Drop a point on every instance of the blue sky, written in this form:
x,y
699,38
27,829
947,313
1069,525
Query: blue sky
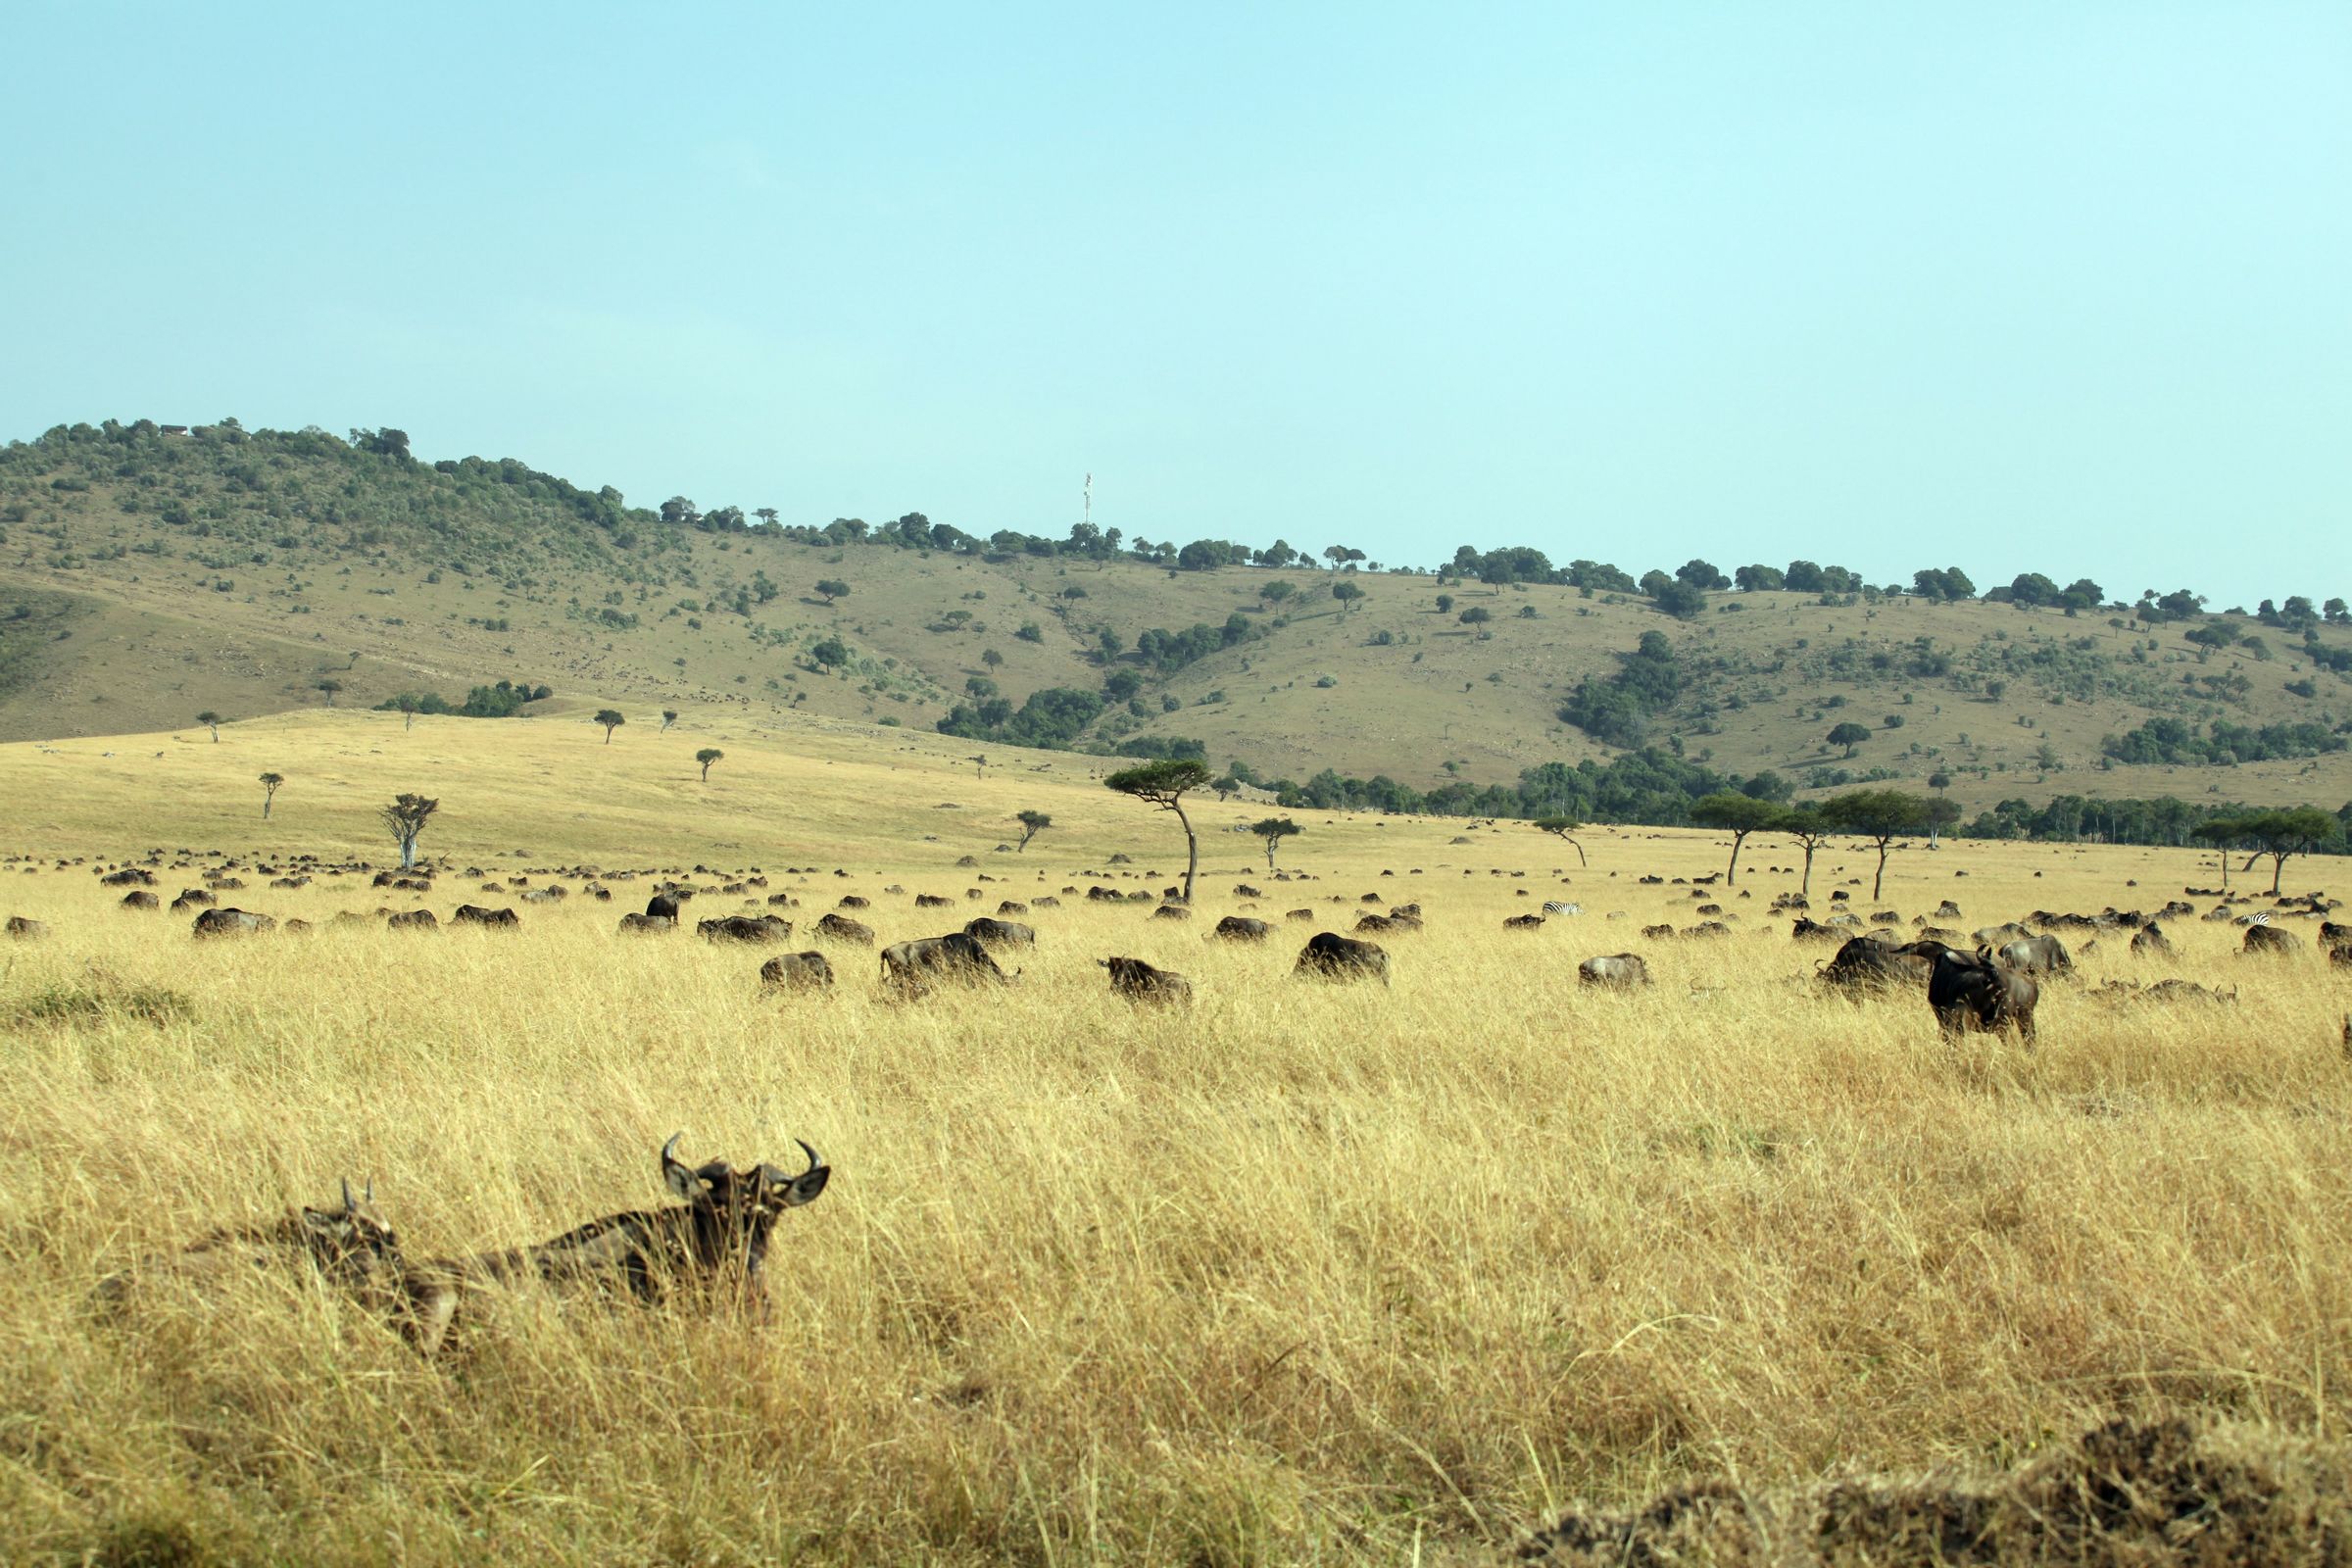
x,y
2064,289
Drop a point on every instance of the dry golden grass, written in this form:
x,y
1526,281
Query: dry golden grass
x,y
1310,1274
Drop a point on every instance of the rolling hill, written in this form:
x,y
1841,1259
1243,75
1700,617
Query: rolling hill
x,y
148,573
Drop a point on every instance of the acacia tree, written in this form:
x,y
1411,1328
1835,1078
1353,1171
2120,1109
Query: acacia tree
x,y
211,722
1848,735
1032,824
405,819
669,716
328,688
407,704
1563,827
1346,593
1736,815
611,718
1811,830
833,588
706,756
1164,784
1274,829
1879,815
270,784
2297,830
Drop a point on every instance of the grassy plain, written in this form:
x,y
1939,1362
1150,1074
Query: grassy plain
x,y
1307,1274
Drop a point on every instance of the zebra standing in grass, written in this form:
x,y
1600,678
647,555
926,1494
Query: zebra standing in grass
x,y
1555,907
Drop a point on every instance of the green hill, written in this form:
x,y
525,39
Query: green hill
x,y
149,573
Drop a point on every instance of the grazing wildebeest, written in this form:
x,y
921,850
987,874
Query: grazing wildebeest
x,y
2150,939
1657,933
1523,922
1331,956
798,971
1298,914
957,955
195,899
231,922
744,928
1870,964
662,906
1242,928
1993,936
349,1242
1382,922
25,929
932,901
130,877
413,920
2035,956
475,914
1807,929
1624,969
1010,933
1012,907
720,1237
841,928
1139,981
2271,939
139,899
647,925
1977,991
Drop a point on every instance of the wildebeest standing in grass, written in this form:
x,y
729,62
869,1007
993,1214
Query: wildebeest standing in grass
x,y
999,933
797,971
231,922
841,928
719,1239
2036,954
957,955
1328,956
1871,964
1242,928
2261,937
1625,970
1977,991
744,928
476,914
1141,982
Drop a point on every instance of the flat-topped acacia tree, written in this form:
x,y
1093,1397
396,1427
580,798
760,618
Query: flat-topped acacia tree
x,y
1164,784
269,787
1564,827
611,718
706,756
1274,829
1879,815
405,819
1032,824
1810,830
1736,815
2277,834
211,722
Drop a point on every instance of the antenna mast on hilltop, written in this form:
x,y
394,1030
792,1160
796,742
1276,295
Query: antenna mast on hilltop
x,y
1088,515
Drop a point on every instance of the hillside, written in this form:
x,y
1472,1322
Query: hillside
x,y
148,575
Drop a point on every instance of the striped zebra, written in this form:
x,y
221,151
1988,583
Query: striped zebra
x,y
1555,907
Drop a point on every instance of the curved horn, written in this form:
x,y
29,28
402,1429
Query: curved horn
x,y
368,1195
349,1207
670,1150
813,1161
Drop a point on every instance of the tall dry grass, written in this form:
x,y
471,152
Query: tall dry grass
x,y
1312,1273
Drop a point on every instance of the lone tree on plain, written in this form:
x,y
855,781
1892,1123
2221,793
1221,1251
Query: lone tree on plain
x,y
407,704
329,688
211,722
2277,834
1347,594
270,784
669,716
611,718
1879,815
1164,784
706,756
406,817
1032,824
1274,829
1736,815
1563,827
1848,735
833,588
1476,616
1811,830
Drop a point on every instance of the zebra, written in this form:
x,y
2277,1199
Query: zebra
x,y
1555,907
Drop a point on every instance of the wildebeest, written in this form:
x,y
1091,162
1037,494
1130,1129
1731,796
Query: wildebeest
x,y
744,928
349,1242
664,905
1298,914
841,928
1523,922
1008,933
1657,933
2271,939
957,955
719,1238
475,914
1623,969
1331,956
1976,992
139,899
2036,954
647,925
1993,936
1383,922
798,971
25,929
1870,964
413,920
231,922
1012,907
2150,939
1807,929
194,899
932,901
1139,981
1172,911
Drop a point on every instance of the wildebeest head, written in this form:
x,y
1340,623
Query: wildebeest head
x,y
740,1201
350,1239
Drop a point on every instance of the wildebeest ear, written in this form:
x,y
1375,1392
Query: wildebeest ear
x,y
803,1188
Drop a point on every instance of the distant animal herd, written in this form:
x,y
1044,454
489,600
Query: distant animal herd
x,y
1988,980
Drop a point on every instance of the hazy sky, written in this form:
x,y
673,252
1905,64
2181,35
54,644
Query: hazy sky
x,y
2058,288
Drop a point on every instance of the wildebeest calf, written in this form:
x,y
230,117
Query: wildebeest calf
x,y
1624,969
1139,982
798,971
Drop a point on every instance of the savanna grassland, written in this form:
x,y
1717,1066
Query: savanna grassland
x,y
1309,1273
